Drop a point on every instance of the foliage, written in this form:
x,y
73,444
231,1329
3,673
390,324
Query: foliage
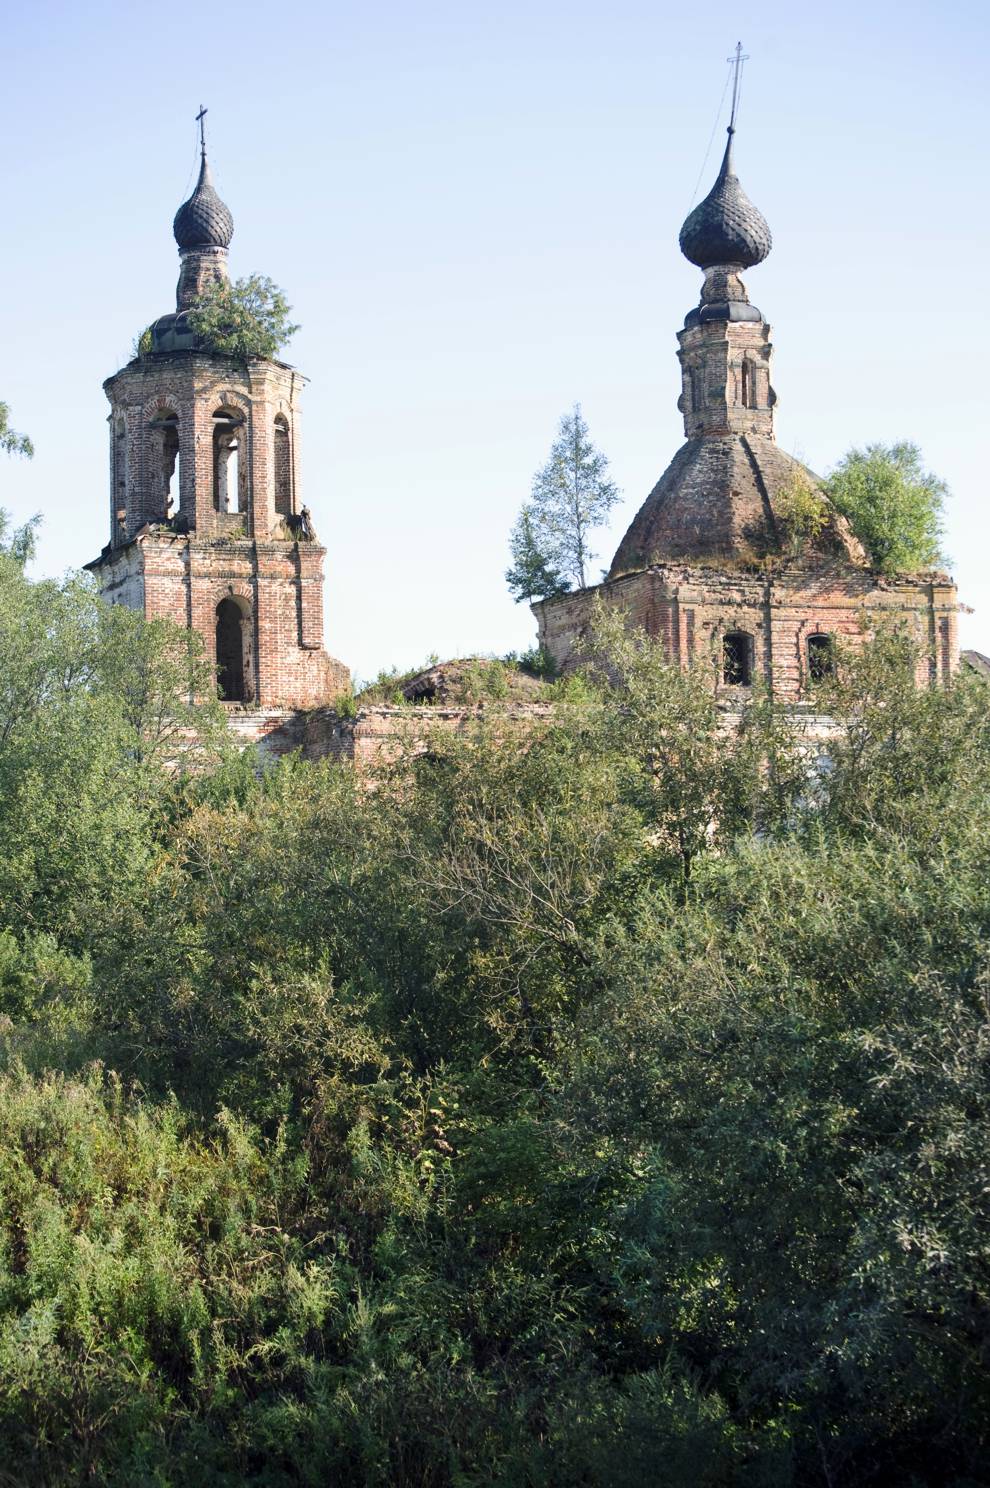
x,y
536,662
94,703
571,495
802,511
532,574
598,1103
247,318
11,442
893,505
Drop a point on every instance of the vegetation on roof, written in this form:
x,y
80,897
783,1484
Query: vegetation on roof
x,y
893,504
245,318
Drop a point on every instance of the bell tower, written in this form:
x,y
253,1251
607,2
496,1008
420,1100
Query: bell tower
x,y
207,523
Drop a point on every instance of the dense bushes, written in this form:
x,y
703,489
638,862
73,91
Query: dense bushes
x,y
606,1110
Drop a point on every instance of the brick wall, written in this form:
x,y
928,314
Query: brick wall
x,y
183,569
693,607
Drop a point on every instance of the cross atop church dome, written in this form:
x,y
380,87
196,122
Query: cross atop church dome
x,y
204,220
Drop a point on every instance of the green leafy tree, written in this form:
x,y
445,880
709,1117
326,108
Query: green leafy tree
x,y
531,574
571,496
97,709
11,442
587,1101
893,505
247,318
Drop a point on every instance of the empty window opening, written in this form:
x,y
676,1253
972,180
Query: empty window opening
x,y
746,386
120,458
166,427
737,659
228,469
821,657
283,468
232,646
119,492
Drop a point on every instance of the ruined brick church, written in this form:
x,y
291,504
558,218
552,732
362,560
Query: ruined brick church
x,y
207,524
208,528
718,561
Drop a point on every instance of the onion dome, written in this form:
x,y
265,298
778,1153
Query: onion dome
x,y
204,221
725,228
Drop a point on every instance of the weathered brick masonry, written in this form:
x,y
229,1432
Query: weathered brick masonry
x,y
207,527
716,561
694,607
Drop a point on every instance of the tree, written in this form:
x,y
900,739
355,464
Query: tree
x,y
247,318
532,574
892,503
571,495
11,442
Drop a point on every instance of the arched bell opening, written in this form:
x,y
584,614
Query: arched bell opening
x,y
229,465
283,467
166,456
119,497
233,638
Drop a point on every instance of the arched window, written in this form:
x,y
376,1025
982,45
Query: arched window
x,y
821,657
283,467
229,472
233,650
165,430
746,388
737,659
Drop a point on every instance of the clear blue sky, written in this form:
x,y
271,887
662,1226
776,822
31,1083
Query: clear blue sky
x,y
474,213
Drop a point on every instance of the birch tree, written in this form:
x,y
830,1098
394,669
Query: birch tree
x,y
571,496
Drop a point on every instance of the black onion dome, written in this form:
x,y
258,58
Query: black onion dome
x,y
204,221
725,228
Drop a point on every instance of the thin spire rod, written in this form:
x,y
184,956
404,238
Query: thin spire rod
x,y
204,111
738,59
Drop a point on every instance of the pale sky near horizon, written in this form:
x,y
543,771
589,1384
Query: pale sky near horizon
x,y
474,213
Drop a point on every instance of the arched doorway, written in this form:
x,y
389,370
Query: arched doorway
x,y
232,651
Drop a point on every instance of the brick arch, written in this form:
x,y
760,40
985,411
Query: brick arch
x,y
239,589
160,401
224,397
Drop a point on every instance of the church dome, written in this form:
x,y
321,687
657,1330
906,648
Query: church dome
x,y
725,228
204,221
727,498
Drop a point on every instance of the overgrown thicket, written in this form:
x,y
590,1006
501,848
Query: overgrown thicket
x,y
604,1107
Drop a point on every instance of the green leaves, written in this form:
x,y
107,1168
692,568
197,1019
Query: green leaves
x,y
247,318
600,1098
571,496
11,442
893,505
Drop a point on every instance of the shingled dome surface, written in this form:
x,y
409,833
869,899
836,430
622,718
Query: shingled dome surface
x,y
725,228
204,221
720,499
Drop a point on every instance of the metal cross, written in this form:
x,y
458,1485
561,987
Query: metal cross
x,y
738,58
203,113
